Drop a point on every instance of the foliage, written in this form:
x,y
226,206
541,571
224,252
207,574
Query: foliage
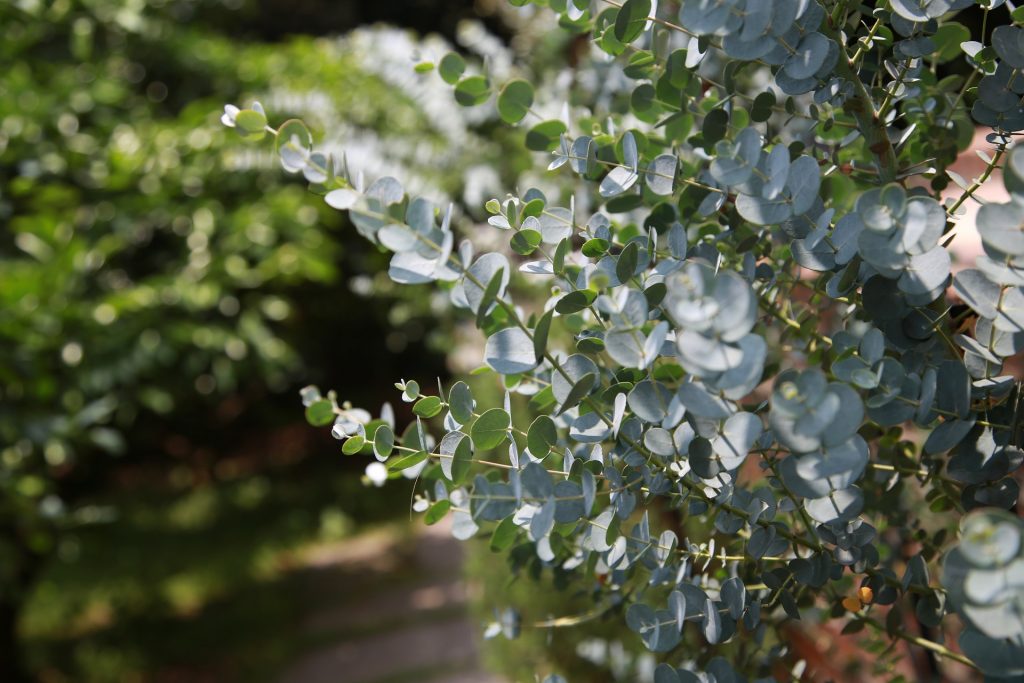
x,y
744,323
157,271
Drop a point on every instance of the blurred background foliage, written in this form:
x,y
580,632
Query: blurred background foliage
x,y
165,292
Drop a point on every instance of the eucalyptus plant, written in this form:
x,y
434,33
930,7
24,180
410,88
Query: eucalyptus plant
x,y
753,389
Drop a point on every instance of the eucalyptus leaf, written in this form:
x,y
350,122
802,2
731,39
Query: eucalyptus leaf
x,y
515,100
660,174
510,351
471,91
490,429
460,402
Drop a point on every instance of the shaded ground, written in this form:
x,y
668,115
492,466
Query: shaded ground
x,y
412,627
290,574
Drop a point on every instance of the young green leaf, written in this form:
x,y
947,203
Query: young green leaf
x,y
353,445
472,91
540,335
525,242
428,406
460,402
437,512
631,19
404,462
625,265
451,67
574,302
383,442
544,136
595,248
504,534
541,436
515,100
490,429
320,413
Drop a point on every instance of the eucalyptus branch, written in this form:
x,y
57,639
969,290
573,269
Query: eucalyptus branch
x,y
682,302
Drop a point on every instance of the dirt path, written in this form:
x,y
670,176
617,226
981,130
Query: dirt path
x,y
403,614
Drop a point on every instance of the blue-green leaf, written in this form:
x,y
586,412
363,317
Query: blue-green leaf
x,y
510,351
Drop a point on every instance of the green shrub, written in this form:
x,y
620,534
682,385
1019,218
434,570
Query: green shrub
x,y
153,264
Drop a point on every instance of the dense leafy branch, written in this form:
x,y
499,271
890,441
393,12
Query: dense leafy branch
x,y
744,325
